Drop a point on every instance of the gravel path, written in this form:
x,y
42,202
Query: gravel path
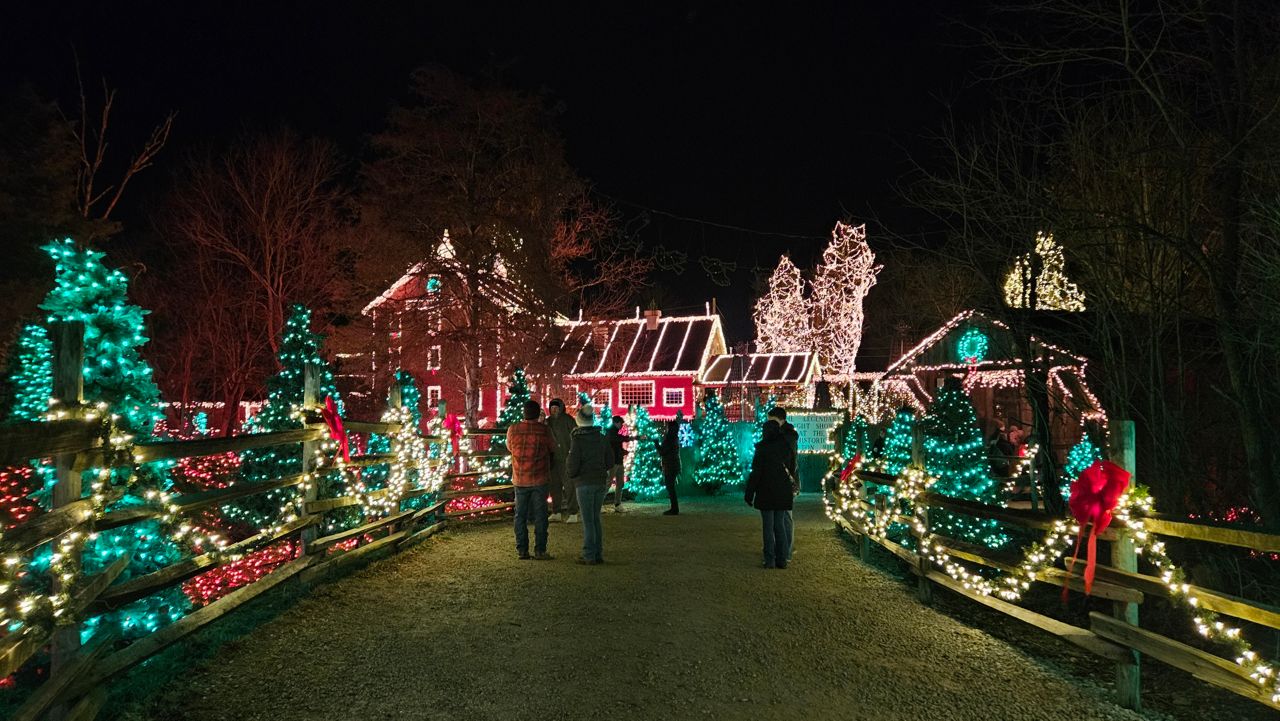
x,y
679,623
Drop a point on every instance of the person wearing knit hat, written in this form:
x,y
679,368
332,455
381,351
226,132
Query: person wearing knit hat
x,y
590,459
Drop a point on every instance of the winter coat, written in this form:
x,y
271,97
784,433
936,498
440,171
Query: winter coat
x,y
769,485
616,439
590,457
793,446
669,450
561,431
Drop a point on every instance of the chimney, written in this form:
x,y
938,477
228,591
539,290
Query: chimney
x,y
651,317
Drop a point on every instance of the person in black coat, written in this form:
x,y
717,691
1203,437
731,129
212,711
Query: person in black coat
x,y
669,454
778,417
770,491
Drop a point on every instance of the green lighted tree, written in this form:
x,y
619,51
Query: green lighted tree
x,y
718,463
299,347
114,372
1081,456
857,439
955,453
899,441
30,375
764,404
498,469
645,478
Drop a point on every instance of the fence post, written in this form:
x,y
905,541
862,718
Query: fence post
x,y
924,589
1120,450
68,391
864,541
310,389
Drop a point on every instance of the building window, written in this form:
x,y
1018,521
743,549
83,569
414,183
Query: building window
x,y
602,399
673,397
433,396
635,393
433,358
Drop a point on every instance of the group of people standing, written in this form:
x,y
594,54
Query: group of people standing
x,y
572,462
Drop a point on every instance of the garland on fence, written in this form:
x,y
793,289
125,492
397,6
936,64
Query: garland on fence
x,y
911,483
20,611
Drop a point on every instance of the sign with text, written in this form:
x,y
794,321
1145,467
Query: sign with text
x,y
816,429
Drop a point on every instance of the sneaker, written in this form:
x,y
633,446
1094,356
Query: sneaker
x,y
671,512
544,556
523,557
572,519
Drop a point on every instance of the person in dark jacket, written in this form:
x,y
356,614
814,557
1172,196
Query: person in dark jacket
x,y
778,415
669,454
769,491
617,473
590,459
563,499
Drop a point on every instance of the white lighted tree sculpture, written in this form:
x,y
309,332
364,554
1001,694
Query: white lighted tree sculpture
x,y
781,314
847,271
1052,289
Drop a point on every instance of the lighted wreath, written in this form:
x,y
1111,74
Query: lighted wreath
x,y
972,346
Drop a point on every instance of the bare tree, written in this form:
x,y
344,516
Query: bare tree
x,y
97,196
1137,133
269,210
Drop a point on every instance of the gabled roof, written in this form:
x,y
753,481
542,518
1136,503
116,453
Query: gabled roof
x,y
937,349
681,345
763,369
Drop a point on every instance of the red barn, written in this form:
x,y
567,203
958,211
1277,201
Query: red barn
x,y
652,362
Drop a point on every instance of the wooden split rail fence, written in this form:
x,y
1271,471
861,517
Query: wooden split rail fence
x,y
1116,636
76,683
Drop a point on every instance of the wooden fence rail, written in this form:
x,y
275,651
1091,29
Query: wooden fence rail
x,y
75,684
1118,637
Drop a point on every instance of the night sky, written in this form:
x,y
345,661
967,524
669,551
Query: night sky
x,y
780,122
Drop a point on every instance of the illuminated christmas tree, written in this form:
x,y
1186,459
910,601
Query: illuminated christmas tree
x,y
30,380
841,281
645,476
899,442
718,463
1081,456
955,453
782,315
114,370
763,406
299,347
115,373
857,439
498,470
1053,290
30,375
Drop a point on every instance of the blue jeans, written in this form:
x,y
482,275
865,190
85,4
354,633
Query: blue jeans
x,y
777,543
531,499
590,500
791,534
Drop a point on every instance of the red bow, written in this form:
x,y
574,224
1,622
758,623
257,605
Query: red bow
x,y
851,467
1094,496
336,431
454,426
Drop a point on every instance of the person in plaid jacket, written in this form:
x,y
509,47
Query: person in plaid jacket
x,y
531,447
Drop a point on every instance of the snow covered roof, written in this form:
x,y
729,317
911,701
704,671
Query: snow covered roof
x,y
761,369
681,345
